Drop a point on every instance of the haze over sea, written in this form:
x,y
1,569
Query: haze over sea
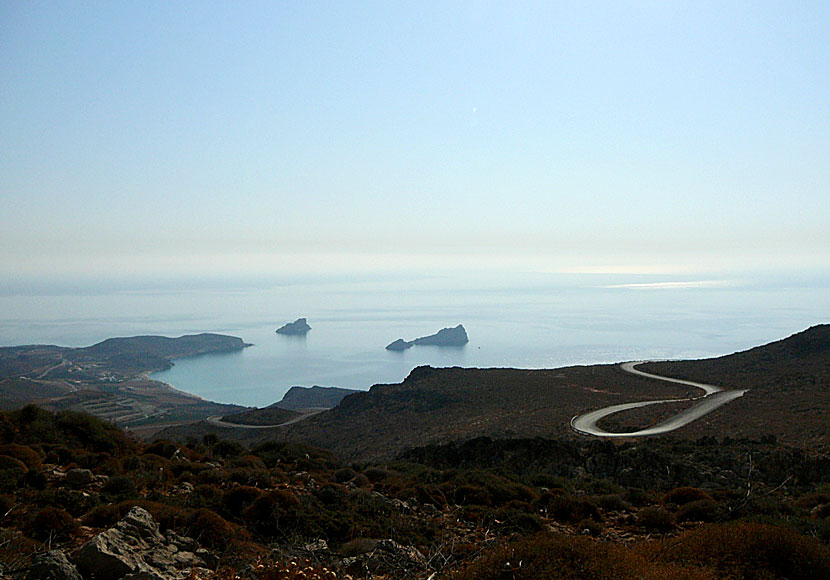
x,y
515,320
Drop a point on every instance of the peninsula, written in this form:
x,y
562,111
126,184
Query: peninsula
x,y
110,379
456,336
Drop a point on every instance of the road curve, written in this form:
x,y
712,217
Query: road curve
x,y
217,421
712,398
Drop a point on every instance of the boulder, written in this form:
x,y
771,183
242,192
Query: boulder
x,y
135,549
388,557
52,566
78,477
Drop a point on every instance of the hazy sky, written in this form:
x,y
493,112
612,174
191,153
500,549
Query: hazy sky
x,y
177,138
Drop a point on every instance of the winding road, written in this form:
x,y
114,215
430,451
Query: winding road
x,y
217,421
712,398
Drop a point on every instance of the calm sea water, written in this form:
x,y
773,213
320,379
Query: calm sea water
x,y
524,321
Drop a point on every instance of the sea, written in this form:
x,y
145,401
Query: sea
x,y
517,320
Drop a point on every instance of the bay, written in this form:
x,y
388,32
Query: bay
x,y
513,320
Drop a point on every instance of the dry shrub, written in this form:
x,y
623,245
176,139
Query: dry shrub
x,y
749,551
704,510
13,464
471,495
52,523
248,462
273,513
102,516
571,558
684,495
24,453
376,474
655,519
211,529
568,509
238,498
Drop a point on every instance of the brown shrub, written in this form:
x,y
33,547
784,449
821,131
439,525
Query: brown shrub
x,y
655,519
52,523
471,495
102,516
704,510
24,453
211,529
13,464
248,462
684,495
568,509
571,558
748,551
238,498
274,512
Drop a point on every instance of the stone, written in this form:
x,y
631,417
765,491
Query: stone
x,y
52,565
135,549
78,477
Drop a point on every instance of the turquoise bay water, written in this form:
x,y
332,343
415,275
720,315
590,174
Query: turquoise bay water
x,y
527,321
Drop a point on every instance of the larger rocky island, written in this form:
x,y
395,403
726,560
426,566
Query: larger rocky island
x,y
456,336
110,379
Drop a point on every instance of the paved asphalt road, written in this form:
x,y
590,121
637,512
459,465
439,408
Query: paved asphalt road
x,y
712,398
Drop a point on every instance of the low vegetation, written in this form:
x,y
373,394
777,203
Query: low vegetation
x,y
481,509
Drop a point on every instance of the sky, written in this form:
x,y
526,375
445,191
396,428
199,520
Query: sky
x,y
181,139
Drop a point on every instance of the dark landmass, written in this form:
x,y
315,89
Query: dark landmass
x,y
299,398
456,336
298,327
82,500
271,415
109,379
789,402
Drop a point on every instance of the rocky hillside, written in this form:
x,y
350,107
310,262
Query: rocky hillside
x,y
80,500
789,389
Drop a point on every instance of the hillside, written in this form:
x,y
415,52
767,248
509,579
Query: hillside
x,y
109,379
81,499
439,405
788,400
789,389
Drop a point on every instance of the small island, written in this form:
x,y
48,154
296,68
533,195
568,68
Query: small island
x,y
456,336
299,327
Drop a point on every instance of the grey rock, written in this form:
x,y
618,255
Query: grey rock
x,y
209,559
78,477
135,549
52,566
388,557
